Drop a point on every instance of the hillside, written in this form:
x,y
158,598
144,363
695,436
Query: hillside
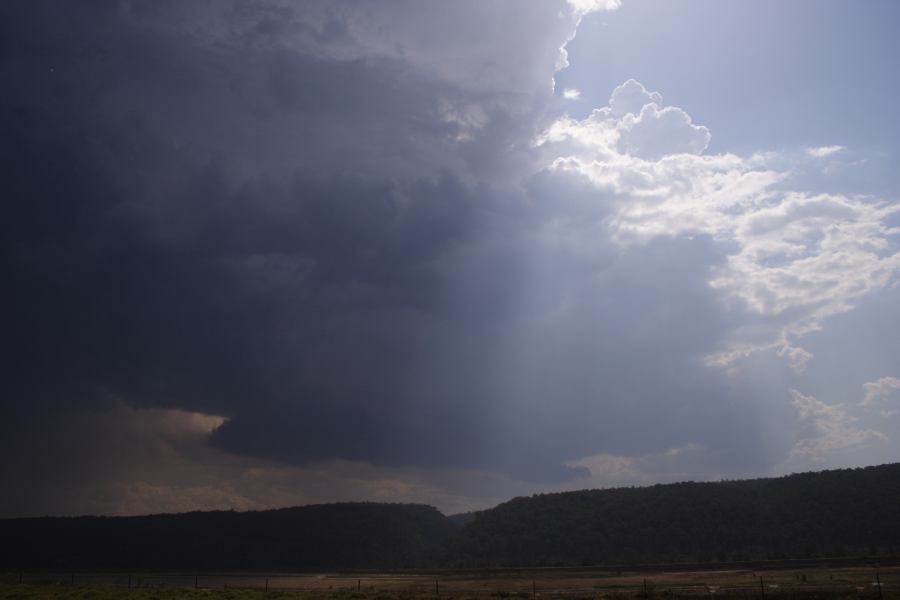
x,y
852,512
326,536
831,513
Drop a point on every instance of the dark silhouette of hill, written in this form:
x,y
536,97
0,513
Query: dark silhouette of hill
x,y
325,536
851,512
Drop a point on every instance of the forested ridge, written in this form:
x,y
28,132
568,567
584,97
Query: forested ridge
x,y
850,512
326,536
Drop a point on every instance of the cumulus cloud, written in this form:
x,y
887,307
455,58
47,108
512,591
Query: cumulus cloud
x,y
630,98
655,132
633,124
793,259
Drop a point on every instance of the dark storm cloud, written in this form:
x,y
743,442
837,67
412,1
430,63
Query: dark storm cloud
x,y
155,252
201,215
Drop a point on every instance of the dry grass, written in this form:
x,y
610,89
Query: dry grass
x,y
854,583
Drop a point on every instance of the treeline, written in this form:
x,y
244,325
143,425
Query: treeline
x,y
852,512
319,537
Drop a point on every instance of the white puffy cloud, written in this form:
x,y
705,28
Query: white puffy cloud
x,y
630,98
655,132
793,259
817,253
634,124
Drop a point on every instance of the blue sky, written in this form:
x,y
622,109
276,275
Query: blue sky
x,y
781,77
761,75
269,253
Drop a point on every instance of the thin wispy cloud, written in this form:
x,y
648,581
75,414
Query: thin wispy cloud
x,y
825,151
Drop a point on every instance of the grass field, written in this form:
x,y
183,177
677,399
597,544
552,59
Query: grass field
x,y
855,583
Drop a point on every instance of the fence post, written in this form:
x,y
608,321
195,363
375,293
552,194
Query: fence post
x,y
878,582
358,585
436,592
762,588
20,577
267,584
73,578
533,589
129,581
196,578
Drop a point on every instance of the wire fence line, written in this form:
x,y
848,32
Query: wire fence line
x,y
873,587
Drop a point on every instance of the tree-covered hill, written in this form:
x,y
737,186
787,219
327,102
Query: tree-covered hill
x,y
831,513
326,536
852,512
